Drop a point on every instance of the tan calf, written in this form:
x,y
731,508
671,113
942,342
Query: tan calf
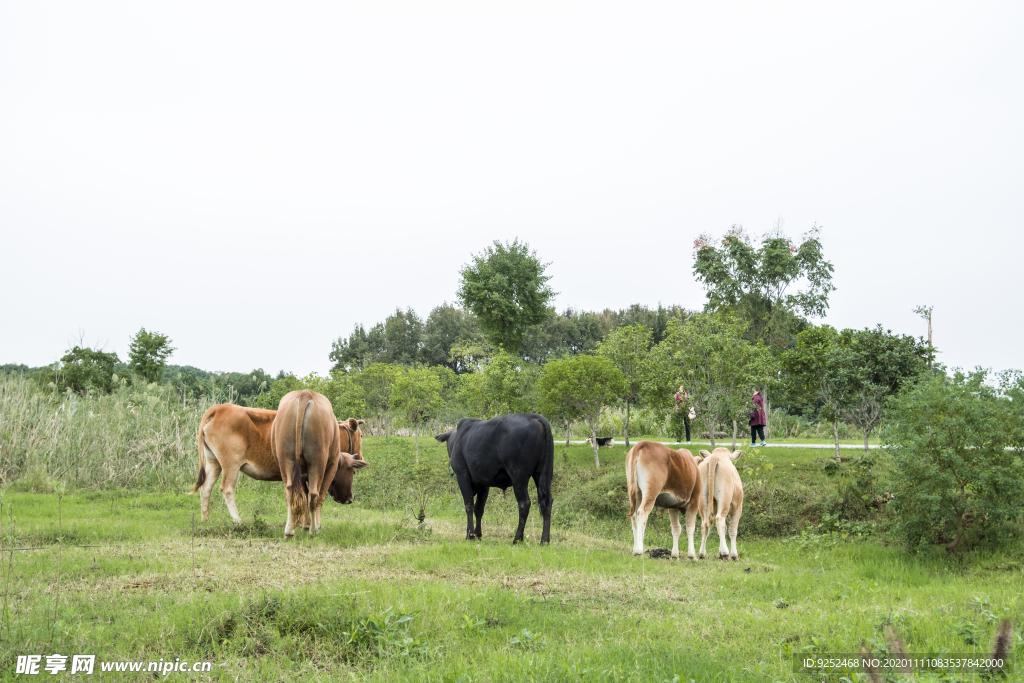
x,y
234,439
721,496
658,475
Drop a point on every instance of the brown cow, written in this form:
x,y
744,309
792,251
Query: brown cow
x,y
658,475
306,441
234,439
721,496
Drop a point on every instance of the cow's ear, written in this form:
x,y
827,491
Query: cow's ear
x,y
352,424
735,454
359,464
443,437
698,458
705,454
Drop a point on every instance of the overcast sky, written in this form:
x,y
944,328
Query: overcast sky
x,y
253,179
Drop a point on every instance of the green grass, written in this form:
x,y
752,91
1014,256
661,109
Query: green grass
x,y
581,609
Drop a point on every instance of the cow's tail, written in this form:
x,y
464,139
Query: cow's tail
x,y
709,494
631,485
299,486
200,439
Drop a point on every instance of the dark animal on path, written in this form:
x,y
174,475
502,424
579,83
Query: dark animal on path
x,y
306,441
658,475
234,439
498,453
605,442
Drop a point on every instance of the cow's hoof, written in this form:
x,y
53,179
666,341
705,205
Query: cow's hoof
x,y
734,557
702,556
723,556
691,558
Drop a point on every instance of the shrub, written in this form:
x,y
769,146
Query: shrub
x,y
953,477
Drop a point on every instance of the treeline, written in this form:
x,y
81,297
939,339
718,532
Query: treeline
x,y
954,439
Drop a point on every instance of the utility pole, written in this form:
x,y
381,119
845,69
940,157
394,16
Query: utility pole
x,y
926,313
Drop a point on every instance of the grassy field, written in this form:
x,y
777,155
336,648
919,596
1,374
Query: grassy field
x,y
378,596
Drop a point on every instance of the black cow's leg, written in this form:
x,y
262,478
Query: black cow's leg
x,y
523,497
467,498
481,501
544,500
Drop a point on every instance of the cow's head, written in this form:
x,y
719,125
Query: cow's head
x,y
351,426
724,452
341,487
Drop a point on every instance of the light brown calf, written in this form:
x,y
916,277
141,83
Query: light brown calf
x,y
658,475
721,496
234,439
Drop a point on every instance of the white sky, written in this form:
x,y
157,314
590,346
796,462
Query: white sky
x,y
254,178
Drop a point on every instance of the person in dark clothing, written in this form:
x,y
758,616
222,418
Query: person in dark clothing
x,y
685,408
757,420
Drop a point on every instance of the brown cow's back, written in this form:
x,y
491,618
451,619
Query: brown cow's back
x,y
306,440
233,439
659,476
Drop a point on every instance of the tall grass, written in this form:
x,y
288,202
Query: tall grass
x,y
137,437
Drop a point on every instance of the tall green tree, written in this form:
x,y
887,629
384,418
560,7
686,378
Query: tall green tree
x,y
506,288
774,283
377,383
416,394
954,479
83,369
446,328
506,385
581,387
358,350
819,372
148,353
880,364
709,356
630,349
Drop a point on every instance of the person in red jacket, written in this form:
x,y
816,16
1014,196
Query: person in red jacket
x,y
757,420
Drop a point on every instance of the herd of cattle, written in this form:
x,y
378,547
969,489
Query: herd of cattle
x,y
302,445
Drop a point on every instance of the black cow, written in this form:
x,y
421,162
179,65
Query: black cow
x,y
501,452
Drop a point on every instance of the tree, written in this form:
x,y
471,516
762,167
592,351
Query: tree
x,y
505,287
818,371
416,393
755,280
83,369
447,327
359,350
581,387
880,364
377,383
567,334
506,386
629,348
952,474
708,355
148,353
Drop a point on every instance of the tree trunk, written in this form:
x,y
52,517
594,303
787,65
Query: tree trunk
x,y
593,443
711,432
835,433
568,431
416,437
735,429
867,433
626,430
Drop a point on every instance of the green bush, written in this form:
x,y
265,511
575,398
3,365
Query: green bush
x,y
954,480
